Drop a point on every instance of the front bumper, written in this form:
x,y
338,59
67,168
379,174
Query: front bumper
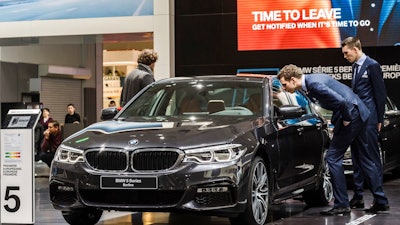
x,y
216,187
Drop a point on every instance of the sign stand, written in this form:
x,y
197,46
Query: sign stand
x,y
17,196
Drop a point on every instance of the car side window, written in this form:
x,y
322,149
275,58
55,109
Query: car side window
x,y
278,95
299,99
281,97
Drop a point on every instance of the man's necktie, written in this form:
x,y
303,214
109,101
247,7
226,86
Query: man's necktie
x,y
355,71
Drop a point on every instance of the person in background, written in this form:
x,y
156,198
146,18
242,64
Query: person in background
x,y
46,118
72,116
52,138
38,138
140,77
112,104
350,116
369,85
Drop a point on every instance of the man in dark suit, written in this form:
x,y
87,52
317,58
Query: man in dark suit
x,y
140,77
350,116
383,17
368,84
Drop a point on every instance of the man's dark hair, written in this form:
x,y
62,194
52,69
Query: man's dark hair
x,y
352,42
147,57
289,71
55,123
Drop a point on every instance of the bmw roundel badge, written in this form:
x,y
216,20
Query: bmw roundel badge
x,y
133,142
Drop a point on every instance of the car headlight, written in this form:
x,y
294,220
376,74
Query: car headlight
x,y
214,154
67,154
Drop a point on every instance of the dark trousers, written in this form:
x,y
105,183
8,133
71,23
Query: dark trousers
x,y
47,157
371,172
342,138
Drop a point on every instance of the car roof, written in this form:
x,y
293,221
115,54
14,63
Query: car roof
x,y
237,77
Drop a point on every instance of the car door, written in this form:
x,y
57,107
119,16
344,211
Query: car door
x,y
299,155
301,141
310,155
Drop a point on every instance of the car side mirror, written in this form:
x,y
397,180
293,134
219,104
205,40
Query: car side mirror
x,y
109,113
290,111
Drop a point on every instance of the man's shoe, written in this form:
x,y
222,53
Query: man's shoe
x,y
356,203
337,211
378,208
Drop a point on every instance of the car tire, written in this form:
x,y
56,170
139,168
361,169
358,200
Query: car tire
x,y
82,217
323,194
258,196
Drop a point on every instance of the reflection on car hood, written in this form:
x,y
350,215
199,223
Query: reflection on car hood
x,y
179,134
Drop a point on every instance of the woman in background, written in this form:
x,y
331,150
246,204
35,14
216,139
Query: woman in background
x,y
46,118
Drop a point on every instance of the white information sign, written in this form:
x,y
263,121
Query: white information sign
x,y
17,196
17,184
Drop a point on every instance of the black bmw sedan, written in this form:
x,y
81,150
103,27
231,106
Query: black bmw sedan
x,y
220,145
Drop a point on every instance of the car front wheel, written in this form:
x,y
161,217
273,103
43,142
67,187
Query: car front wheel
x,y
258,196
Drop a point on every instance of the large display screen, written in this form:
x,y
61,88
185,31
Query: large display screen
x,y
309,24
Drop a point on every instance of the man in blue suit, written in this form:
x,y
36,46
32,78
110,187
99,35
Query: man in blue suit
x,y
350,116
368,84
383,15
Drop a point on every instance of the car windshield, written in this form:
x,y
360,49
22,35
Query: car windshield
x,y
216,98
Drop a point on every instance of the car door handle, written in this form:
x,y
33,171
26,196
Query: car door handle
x,y
300,130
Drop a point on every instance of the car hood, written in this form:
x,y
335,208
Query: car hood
x,y
167,134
